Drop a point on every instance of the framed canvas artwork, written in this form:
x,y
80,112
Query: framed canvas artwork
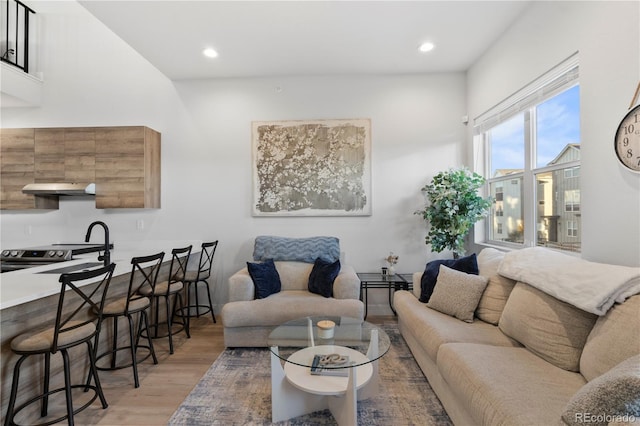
x,y
312,168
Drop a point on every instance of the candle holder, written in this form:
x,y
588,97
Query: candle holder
x,y
326,329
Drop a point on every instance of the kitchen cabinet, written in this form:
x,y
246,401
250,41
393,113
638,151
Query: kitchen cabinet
x,y
65,155
123,162
79,155
127,167
18,168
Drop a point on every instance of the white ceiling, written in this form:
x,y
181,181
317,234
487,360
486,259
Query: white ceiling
x,y
275,38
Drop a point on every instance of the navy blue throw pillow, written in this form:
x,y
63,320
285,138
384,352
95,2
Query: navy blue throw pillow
x,y
265,278
322,277
468,264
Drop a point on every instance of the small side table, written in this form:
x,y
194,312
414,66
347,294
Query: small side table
x,y
377,280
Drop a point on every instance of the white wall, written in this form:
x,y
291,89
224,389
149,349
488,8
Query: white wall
x,y
607,36
93,78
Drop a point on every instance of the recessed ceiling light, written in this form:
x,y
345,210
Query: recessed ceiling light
x,y
426,47
210,53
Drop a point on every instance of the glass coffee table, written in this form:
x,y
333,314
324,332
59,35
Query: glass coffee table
x,y
296,391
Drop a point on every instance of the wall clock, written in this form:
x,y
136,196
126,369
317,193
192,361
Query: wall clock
x,y
627,140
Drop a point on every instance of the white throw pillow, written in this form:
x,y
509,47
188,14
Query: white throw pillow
x,y
457,293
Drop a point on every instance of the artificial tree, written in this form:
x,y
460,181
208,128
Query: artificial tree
x,y
453,206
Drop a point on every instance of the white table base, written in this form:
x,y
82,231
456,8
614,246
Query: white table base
x,y
294,391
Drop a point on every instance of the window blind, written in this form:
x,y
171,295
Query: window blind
x,y
560,77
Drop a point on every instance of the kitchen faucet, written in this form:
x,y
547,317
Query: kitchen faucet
x,y
107,256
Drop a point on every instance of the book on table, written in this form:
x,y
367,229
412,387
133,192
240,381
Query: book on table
x,y
330,365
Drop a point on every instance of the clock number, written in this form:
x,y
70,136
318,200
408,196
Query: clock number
x,y
629,153
625,142
629,129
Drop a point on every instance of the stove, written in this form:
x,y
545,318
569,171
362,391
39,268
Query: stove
x,y
15,259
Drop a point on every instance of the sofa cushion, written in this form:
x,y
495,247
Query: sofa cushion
x,y
296,249
553,330
265,278
615,393
506,386
457,293
285,306
435,328
468,264
498,289
322,277
603,349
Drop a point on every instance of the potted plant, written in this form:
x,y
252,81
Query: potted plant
x,y
453,206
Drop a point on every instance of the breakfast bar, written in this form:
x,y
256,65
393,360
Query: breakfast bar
x,y
28,301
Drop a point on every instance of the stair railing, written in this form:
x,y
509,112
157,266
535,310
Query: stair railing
x,y
14,43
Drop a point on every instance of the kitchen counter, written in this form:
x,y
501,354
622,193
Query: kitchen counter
x,y
28,302
27,285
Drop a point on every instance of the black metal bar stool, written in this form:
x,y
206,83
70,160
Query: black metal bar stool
x,y
144,271
166,289
201,275
72,328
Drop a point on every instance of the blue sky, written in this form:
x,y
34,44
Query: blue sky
x,y
558,124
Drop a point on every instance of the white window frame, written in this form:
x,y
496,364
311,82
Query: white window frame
x,y
560,78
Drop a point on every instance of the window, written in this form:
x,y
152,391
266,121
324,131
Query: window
x,y
571,172
530,149
572,200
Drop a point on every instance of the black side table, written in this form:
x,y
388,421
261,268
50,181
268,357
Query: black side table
x,y
377,280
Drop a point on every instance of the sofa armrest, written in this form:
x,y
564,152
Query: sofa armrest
x,y
417,283
346,284
241,286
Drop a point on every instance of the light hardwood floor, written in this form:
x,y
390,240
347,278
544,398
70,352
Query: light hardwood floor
x,y
165,385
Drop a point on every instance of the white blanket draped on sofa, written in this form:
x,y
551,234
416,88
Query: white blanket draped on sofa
x,y
592,287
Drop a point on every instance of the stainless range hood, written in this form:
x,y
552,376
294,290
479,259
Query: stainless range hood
x,y
60,188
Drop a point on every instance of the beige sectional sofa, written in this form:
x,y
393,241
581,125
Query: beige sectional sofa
x,y
527,358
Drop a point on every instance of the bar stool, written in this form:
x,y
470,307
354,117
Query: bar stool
x,y
201,275
144,271
71,328
172,287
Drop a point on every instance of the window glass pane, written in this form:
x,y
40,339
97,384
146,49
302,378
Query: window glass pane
x,y
558,217
506,214
558,128
507,146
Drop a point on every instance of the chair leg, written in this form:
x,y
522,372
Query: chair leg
x,y
145,319
114,354
67,385
133,347
94,372
8,420
186,318
178,306
155,324
45,387
168,309
213,317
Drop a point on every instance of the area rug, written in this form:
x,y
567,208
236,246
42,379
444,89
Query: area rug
x,y
236,390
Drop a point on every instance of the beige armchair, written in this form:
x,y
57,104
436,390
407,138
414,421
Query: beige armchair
x,y
248,321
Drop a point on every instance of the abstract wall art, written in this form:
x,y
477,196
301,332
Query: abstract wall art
x,y
312,168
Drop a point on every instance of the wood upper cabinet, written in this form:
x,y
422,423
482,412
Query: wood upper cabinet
x,y
17,169
127,167
123,162
79,155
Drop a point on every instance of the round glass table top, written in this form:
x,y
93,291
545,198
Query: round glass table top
x,y
366,342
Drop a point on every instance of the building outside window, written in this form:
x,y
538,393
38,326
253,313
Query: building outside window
x,y
530,151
